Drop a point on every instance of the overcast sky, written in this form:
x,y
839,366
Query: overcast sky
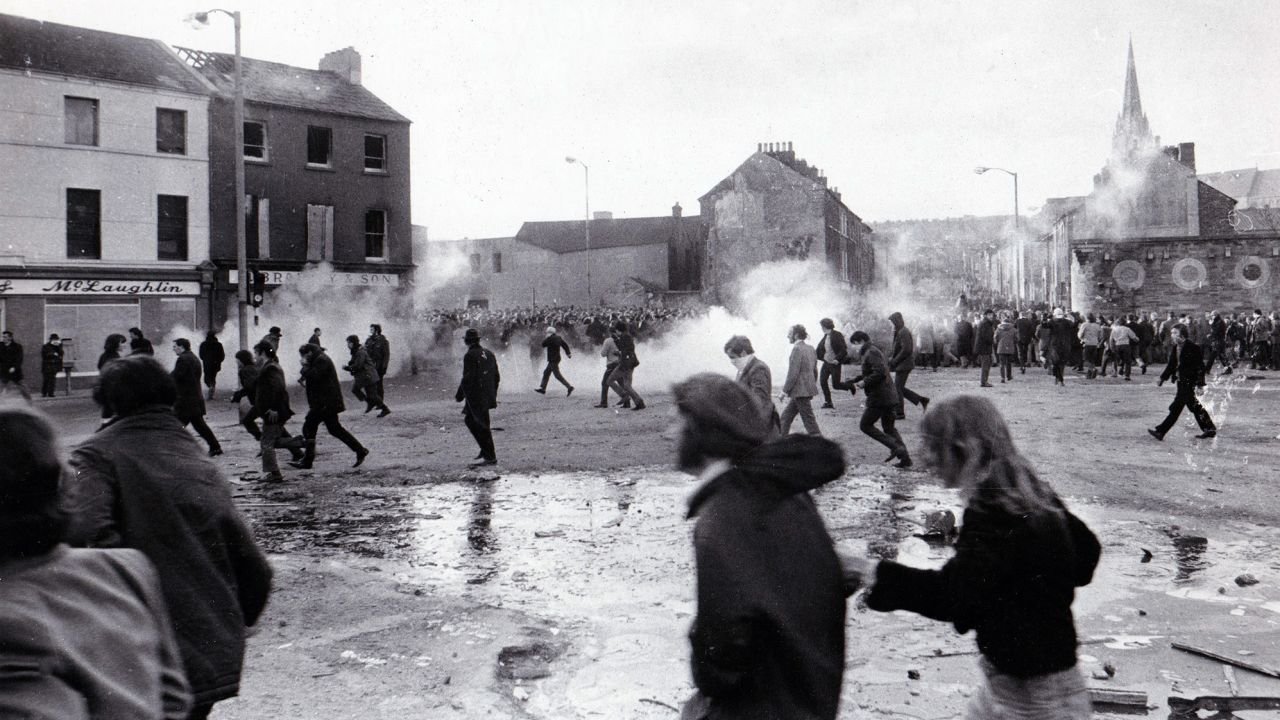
x,y
895,100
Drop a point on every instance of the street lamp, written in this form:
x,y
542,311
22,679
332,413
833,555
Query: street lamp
x,y
586,184
198,20
1019,268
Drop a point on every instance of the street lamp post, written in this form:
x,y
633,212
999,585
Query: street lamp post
x,y
1019,264
586,184
242,251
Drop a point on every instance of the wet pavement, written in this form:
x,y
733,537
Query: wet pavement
x,y
605,563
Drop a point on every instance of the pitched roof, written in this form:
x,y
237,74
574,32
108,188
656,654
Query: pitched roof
x,y
564,236
1245,184
272,83
40,46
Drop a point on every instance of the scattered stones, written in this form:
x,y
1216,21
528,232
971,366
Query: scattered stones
x,y
1109,668
939,524
1146,555
1246,579
913,674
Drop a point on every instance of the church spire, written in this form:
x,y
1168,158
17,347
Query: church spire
x,y
1132,134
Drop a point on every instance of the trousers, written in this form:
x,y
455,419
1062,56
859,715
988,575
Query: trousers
x,y
477,421
885,416
802,406
1185,397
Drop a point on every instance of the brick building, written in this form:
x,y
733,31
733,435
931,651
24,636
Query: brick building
x,y
1155,236
104,175
775,206
326,175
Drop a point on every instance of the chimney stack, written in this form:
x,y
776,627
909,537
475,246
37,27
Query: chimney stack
x,y
676,210
344,63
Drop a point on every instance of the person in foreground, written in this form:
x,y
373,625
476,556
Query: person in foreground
x,y
768,638
1019,558
141,482
83,633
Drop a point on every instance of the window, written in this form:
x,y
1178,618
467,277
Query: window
x,y
255,140
171,131
257,226
375,153
475,263
171,227
84,225
319,145
497,262
81,120
319,233
375,234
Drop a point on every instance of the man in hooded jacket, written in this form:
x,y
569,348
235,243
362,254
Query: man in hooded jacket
x,y
768,637
901,363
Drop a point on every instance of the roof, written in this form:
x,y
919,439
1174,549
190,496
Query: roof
x,y
564,236
271,83
1245,183
79,52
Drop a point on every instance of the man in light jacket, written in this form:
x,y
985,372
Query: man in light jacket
x,y
801,384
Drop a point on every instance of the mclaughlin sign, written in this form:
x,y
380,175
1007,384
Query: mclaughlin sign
x,y
95,286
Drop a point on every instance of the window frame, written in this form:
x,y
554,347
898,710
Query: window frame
x,y
328,163
67,128
383,159
475,261
381,237
266,152
182,115
96,249
183,243
497,263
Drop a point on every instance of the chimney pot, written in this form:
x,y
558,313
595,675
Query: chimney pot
x,y
344,63
759,147
676,210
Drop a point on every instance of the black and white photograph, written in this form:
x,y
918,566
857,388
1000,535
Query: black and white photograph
x,y
885,360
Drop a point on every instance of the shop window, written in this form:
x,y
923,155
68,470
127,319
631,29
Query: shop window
x,y
84,328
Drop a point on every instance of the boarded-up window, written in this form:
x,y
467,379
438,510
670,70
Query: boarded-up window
x,y
475,263
257,226
80,121
319,233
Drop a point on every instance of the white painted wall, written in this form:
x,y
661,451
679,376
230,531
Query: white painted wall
x,y
37,167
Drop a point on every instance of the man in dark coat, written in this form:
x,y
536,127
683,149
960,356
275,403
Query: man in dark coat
x,y
11,364
139,344
212,356
882,398
1186,368
188,406
628,361
984,344
271,403
379,349
478,390
50,365
832,352
1061,332
768,637
176,508
553,344
324,403
755,376
1026,339
964,341
901,363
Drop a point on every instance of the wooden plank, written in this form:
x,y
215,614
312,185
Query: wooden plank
x,y
1222,704
1127,698
1230,675
1260,669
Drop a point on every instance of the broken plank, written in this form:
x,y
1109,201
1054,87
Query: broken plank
x,y
1126,698
1260,669
1222,704
1230,675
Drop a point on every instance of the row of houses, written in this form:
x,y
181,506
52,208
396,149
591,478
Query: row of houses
x,y
117,182
773,206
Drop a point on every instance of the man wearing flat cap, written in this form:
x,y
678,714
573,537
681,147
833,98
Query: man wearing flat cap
x,y
768,638
479,393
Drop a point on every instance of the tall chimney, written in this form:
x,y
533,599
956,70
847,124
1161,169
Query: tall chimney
x,y
676,210
759,147
344,63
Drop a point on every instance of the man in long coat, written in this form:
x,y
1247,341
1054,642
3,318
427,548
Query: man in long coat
x,y
478,390
189,405
324,403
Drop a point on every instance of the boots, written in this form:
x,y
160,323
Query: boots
x,y
308,456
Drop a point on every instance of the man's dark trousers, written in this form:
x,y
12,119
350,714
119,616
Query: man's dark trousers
x,y
1024,353
1186,397
890,437
829,372
202,429
311,425
904,393
48,381
553,368
477,420
986,368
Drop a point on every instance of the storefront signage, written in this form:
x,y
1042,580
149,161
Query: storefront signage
x,y
98,286
292,277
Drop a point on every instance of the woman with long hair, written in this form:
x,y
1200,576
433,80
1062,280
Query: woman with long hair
x,y
1019,558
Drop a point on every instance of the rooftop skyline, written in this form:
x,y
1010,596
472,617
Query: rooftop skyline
x,y
896,102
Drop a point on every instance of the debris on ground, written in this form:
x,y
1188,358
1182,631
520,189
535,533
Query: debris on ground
x,y
1246,579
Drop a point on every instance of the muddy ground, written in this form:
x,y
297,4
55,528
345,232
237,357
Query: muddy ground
x,y
400,583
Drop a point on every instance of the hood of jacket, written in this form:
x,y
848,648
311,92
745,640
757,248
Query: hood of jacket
x,y
897,321
777,470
